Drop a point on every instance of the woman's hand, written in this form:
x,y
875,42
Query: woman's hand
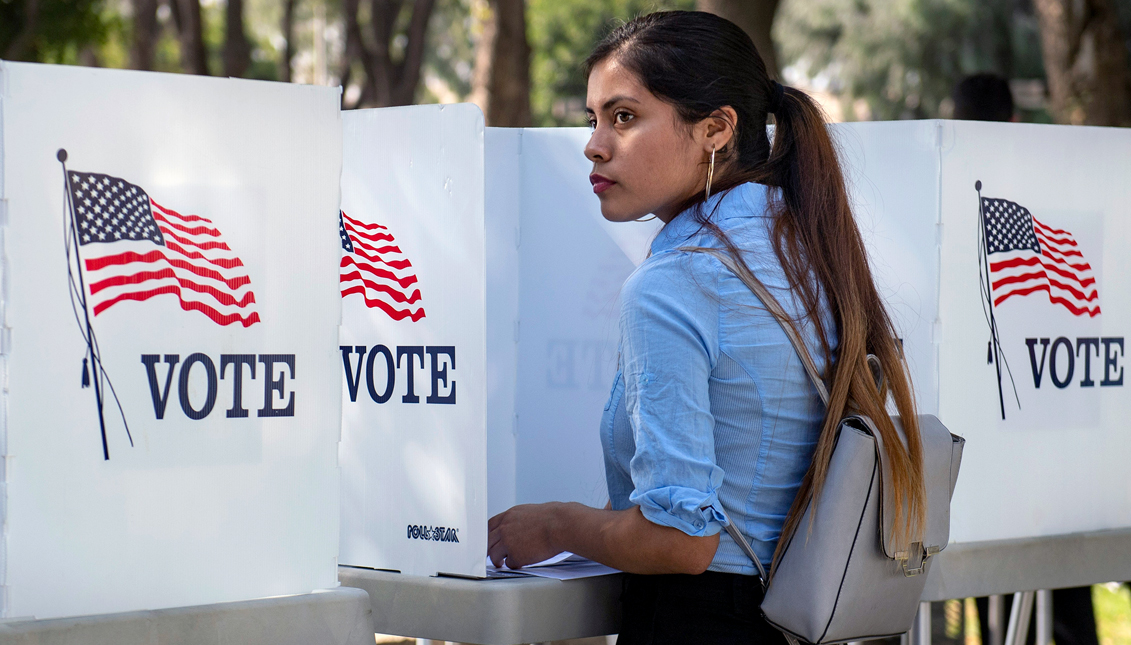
x,y
624,540
523,535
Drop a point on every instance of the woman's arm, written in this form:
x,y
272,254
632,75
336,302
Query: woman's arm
x,y
624,540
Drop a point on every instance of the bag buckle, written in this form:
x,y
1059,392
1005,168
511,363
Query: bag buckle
x,y
916,561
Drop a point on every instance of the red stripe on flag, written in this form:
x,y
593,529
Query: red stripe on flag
x,y
1073,290
380,273
187,305
358,244
1015,262
1077,311
232,283
1057,254
1069,275
396,264
173,213
399,296
1049,229
395,314
1015,279
368,227
1084,266
1021,292
95,264
374,237
222,297
206,246
1049,239
191,230
225,263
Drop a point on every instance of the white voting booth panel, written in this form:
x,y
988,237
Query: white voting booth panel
x,y
525,296
413,348
1057,463
555,310
1041,259
186,241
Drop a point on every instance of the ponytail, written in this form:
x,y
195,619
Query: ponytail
x,y
815,234
699,63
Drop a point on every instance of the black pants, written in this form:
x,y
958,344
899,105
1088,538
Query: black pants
x,y
711,608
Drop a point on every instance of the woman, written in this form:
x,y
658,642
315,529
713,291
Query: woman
x,y
712,418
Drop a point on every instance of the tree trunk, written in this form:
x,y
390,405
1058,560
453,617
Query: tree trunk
x,y
501,85
146,31
287,56
382,17
407,73
88,57
1085,62
387,81
353,52
21,46
756,17
194,58
237,49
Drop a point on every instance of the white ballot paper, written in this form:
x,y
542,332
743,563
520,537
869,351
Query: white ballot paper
x,y
563,566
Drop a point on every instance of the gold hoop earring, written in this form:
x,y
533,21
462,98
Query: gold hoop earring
x,y
710,173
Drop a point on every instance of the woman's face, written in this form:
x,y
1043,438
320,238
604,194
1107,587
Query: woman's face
x,y
645,159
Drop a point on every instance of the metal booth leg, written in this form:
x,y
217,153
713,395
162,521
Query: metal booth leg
x,y
920,633
1019,617
1044,617
996,620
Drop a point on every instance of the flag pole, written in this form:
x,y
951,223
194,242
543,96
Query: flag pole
x,y
95,360
985,265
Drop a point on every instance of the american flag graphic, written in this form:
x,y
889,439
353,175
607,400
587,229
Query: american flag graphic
x,y
374,267
134,249
1026,256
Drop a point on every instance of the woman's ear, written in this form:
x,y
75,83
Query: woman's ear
x,y
717,130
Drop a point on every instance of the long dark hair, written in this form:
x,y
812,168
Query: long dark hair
x,y
698,63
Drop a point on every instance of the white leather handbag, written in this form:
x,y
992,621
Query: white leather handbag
x,y
843,578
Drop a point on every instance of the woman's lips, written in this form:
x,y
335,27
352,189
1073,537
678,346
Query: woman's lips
x,y
600,183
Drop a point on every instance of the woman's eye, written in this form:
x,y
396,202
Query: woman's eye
x,y
592,124
623,117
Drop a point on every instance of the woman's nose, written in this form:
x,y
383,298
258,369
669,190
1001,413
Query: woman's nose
x,y
597,149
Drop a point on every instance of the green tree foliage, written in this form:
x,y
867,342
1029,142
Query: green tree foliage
x,y
56,31
562,33
904,56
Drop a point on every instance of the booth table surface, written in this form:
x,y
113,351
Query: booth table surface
x,y
536,610
506,611
333,617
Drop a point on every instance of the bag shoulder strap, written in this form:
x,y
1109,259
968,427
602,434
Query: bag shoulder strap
x,y
774,307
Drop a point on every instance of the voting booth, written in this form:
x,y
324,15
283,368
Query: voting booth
x,y
448,251
413,347
998,250
996,247
169,297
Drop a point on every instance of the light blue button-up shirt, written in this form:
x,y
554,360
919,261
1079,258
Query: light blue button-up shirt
x,y
711,408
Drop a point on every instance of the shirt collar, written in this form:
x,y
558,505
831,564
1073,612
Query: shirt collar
x,y
742,201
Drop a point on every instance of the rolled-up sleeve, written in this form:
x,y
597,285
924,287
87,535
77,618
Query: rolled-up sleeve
x,y
669,346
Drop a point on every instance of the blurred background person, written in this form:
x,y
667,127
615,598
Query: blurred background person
x,y
983,97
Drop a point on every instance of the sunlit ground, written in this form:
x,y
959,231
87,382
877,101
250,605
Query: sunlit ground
x,y
1113,613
